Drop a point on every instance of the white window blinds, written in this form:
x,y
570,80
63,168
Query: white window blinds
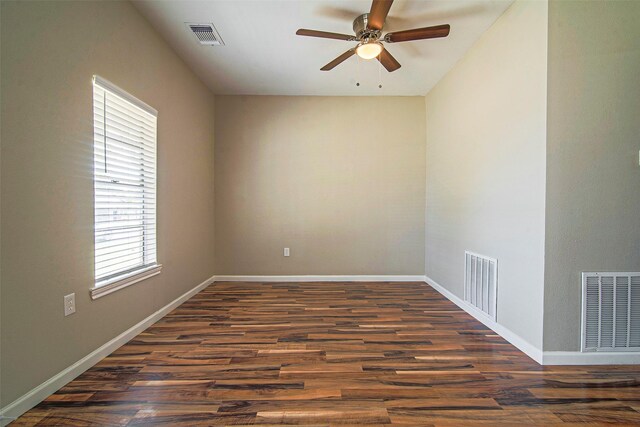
x,y
124,183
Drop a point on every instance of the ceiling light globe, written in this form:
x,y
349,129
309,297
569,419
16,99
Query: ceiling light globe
x,y
369,50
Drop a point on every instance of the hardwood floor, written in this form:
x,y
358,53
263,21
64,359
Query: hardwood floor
x,y
332,354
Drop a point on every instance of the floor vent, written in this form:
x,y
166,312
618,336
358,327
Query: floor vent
x,y
206,34
481,282
610,311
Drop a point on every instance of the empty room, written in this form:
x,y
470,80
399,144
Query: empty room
x,y
319,212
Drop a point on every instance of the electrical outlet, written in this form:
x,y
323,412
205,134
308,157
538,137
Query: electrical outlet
x,y
69,304
286,251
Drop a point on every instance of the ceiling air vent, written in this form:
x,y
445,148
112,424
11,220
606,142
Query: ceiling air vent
x,y
206,34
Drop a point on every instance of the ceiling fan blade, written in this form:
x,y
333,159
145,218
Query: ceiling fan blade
x,y
324,34
418,34
378,13
388,61
339,60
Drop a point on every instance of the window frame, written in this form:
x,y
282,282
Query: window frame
x,y
129,275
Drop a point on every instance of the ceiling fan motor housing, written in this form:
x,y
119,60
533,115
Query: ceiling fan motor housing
x,y
361,30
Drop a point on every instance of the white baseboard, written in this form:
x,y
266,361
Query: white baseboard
x,y
591,358
321,278
542,357
53,384
523,345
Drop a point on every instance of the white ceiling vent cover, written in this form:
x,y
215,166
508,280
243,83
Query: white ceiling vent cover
x,y
206,34
481,283
610,311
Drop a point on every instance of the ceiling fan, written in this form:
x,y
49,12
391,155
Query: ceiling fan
x,y
368,29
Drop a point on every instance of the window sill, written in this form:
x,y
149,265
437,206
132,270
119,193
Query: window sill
x,y
124,281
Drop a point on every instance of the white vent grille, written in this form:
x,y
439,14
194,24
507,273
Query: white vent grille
x,y
480,282
610,311
206,34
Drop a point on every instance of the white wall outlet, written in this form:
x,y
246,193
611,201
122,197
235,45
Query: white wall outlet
x,y
286,252
69,304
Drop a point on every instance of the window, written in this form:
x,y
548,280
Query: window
x,y
125,188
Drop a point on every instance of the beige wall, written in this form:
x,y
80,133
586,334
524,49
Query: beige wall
x,y
593,177
300,172
49,52
486,166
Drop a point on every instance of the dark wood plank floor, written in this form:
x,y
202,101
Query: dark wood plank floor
x,y
332,354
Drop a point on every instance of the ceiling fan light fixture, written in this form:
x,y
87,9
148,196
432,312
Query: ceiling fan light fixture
x,y
369,50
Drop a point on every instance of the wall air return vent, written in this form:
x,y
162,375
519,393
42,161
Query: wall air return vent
x,y
610,311
481,283
206,34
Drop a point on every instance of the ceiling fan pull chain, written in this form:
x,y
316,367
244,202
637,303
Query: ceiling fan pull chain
x,y
379,75
358,72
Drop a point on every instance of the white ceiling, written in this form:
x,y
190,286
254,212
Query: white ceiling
x,y
263,56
